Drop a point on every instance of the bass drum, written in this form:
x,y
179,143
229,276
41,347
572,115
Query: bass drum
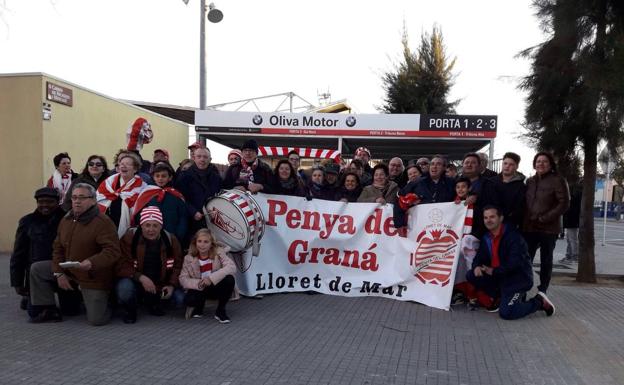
x,y
236,220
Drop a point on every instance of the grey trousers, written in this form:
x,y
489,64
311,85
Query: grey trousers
x,y
573,242
43,286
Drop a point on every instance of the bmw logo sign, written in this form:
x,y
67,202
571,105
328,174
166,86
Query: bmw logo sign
x,y
257,120
351,121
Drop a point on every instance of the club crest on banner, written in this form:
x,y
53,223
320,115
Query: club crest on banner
x,y
432,262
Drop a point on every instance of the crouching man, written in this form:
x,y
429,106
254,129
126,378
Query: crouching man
x,y
502,270
89,239
150,267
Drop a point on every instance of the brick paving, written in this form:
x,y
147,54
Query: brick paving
x,y
320,339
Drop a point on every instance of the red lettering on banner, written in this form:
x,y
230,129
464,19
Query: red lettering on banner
x,y
332,257
298,253
346,225
373,223
273,212
310,220
292,258
292,219
308,217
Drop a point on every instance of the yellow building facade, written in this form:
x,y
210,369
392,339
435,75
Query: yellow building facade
x,y
41,116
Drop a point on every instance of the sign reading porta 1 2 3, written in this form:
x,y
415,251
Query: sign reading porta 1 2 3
x,y
323,124
59,94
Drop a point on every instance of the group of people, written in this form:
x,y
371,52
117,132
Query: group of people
x,y
136,234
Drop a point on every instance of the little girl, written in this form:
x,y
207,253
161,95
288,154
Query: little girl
x,y
207,273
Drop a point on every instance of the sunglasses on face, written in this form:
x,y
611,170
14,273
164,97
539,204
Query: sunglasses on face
x,y
95,164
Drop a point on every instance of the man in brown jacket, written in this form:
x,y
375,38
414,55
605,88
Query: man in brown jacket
x,y
89,240
547,198
150,267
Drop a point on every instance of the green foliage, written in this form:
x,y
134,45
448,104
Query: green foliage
x,y
422,81
576,94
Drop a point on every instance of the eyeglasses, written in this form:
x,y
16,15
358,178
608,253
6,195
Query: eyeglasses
x,y
422,163
80,198
293,159
95,164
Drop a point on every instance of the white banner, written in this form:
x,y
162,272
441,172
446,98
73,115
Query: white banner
x,y
352,249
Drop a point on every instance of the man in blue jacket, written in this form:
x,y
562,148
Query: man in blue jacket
x,y
502,269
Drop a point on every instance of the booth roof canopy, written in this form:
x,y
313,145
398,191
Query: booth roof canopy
x,y
380,148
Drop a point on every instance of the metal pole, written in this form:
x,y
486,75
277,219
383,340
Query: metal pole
x,y
202,56
604,219
491,151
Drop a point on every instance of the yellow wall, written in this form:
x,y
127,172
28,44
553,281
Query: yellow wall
x,y
95,124
21,154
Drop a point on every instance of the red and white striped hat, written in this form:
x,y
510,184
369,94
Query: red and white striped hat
x,y
151,213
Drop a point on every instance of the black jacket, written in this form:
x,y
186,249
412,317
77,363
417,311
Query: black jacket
x,y
33,243
509,197
514,273
198,190
428,191
261,175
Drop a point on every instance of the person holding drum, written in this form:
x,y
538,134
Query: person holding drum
x,y
199,183
252,174
207,272
285,180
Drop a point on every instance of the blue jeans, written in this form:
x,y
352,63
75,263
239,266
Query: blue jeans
x,y
129,292
512,305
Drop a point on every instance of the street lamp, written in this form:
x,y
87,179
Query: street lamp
x,y
213,15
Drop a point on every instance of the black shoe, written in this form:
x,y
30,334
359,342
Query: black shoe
x,y
473,304
494,307
156,310
130,315
47,315
458,299
547,304
222,317
24,303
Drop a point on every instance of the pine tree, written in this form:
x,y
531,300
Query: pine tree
x,y
421,83
576,94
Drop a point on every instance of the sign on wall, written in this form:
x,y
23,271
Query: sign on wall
x,y
59,94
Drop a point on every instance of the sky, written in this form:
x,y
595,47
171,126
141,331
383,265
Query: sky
x,y
148,50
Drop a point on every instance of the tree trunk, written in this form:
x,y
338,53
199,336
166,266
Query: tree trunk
x,y
587,260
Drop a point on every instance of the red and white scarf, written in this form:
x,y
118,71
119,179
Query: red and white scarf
x,y
60,182
205,267
112,189
246,172
150,192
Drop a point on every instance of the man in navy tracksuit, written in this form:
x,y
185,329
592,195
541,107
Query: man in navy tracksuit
x,y
502,269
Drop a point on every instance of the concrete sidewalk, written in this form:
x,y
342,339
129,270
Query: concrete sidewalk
x,y
320,339
609,258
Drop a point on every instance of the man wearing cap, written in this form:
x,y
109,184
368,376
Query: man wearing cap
x,y
423,163
160,155
252,174
332,185
198,184
89,239
192,147
33,239
363,154
150,266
